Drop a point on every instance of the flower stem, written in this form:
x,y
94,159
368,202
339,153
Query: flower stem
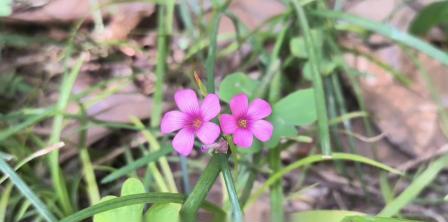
x,y
191,206
237,214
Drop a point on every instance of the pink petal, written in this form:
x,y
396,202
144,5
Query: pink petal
x,y
186,100
210,107
228,123
208,133
259,109
262,129
172,121
183,141
243,138
239,104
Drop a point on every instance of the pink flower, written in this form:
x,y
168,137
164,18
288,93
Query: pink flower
x,y
247,121
192,119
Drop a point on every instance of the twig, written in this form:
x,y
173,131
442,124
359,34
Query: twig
x,y
424,158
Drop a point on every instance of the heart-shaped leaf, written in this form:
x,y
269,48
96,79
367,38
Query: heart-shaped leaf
x,y
127,213
235,84
163,212
296,109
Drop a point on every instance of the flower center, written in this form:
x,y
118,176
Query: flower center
x,y
242,123
197,123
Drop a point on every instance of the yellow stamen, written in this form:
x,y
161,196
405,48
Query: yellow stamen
x,y
197,123
242,123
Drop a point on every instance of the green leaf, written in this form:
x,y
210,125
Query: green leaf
x,y
298,47
430,16
322,215
108,215
138,199
163,212
296,109
235,84
326,68
133,212
373,219
256,147
281,130
5,7
125,213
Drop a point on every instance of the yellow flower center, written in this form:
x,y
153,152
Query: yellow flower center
x,y
197,123
242,123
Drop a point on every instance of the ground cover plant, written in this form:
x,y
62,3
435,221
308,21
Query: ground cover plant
x,y
239,110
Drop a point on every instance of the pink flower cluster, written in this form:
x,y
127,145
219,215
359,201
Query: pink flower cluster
x,y
194,119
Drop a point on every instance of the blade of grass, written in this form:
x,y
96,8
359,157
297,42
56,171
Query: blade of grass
x,y
155,146
39,153
247,189
389,32
211,57
233,196
397,74
161,67
199,193
87,167
26,191
134,199
55,170
352,145
386,190
415,188
185,174
4,199
276,192
151,157
315,159
322,120
27,123
349,73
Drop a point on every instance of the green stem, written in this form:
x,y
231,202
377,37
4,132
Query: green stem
x,y
58,124
161,67
237,213
88,172
191,206
276,189
324,132
211,57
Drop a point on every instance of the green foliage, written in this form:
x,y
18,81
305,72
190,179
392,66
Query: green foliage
x,y
125,213
434,14
235,84
26,191
298,46
284,120
163,212
133,199
414,189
